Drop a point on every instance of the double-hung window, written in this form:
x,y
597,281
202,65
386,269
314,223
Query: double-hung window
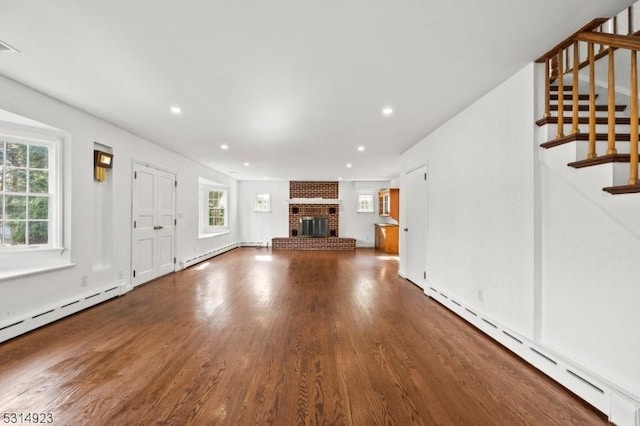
x,y
27,194
31,200
214,208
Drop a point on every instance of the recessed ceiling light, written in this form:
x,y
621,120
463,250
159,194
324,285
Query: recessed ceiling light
x,y
361,148
349,165
224,146
339,178
387,111
246,164
176,110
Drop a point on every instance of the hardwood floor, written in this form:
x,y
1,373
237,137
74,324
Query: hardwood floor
x,y
284,338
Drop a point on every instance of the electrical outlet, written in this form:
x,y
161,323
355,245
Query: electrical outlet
x,y
84,281
480,295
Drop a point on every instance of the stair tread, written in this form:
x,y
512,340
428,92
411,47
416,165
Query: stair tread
x,y
581,120
603,159
569,107
569,96
619,137
623,189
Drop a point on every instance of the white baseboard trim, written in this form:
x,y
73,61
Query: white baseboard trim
x,y
204,256
621,406
255,244
27,322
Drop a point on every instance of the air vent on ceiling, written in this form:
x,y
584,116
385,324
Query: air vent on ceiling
x,y
4,47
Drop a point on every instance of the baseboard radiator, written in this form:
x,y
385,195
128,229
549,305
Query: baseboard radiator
x,y
28,322
207,255
264,244
621,406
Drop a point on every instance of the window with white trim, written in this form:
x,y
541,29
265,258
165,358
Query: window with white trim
x,y
28,203
214,208
263,203
365,203
217,208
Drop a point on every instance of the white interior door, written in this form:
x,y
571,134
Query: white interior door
x,y
415,228
153,223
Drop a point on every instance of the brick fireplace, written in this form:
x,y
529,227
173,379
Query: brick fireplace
x,y
314,221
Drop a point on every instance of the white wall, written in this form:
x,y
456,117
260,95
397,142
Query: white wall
x,y
359,225
26,294
524,246
589,256
262,227
480,203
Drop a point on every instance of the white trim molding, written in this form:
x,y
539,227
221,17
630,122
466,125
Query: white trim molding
x,y
620,405
19,325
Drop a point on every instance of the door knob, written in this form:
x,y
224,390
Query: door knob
x,y
406,229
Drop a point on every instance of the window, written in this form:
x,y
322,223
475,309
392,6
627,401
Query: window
x,y
34,221
365,203
27,183
217,210
214,208
263,203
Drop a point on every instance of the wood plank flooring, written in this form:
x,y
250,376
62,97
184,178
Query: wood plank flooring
x,y
255,337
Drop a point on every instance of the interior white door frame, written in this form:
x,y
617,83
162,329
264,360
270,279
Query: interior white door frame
x,y
134,166
415,225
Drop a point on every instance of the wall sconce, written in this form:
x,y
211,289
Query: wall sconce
x,y
101,162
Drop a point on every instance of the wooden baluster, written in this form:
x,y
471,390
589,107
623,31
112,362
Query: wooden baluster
x,y
592,103
600,28
630,19
611,148
554,68
547,88
576,61
560,133
633,124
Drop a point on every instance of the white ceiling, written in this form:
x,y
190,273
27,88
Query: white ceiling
x,y
293,87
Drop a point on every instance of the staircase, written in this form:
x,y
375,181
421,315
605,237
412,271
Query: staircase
x,y
580,97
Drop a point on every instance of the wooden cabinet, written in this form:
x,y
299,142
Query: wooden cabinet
x,y
386,237
389,203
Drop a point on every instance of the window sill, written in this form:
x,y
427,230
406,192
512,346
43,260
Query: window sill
x,y
30,261
212,234
27,271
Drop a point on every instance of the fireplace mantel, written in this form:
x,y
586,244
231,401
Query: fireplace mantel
x,y
313,201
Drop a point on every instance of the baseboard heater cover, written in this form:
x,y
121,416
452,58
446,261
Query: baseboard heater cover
x,y
620,405
28,322
254,244
207,255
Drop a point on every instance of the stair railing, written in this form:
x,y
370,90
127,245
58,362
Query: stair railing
x,y
563,64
